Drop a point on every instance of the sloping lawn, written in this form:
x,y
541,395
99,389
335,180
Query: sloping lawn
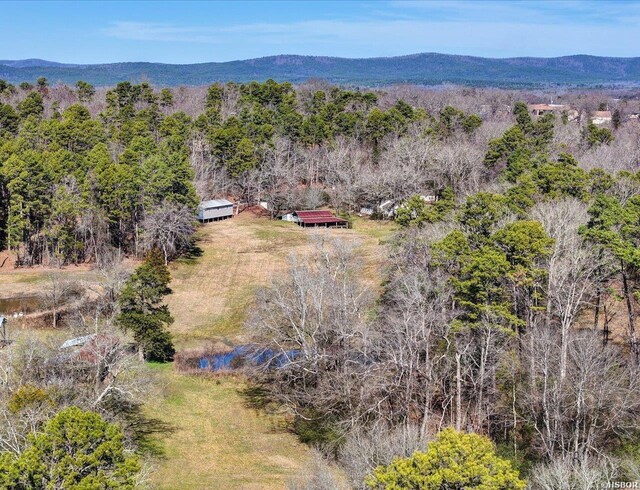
x,y
220,442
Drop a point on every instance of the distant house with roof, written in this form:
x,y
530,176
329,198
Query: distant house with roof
x,y
214,210
319,218
601,117
542,109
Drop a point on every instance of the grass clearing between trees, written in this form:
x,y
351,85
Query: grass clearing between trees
x,y
220,442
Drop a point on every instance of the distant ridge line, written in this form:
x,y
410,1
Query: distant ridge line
x,y
420,68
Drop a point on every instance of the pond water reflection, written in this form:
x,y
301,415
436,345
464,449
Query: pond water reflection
x,y
20,304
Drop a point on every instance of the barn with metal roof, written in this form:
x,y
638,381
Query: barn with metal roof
x,y
214,210
319,217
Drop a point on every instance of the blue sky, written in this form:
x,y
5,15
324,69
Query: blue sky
x,y
191,32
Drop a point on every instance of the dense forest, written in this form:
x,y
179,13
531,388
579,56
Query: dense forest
x,y
503,336
82,171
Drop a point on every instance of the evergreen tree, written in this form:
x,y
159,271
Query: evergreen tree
x,y
42,83
32,105
616,119
85,90
9,120
453,461
166,98
142,312
75,450
596,136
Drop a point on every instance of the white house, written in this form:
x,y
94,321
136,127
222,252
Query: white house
x,y
601,117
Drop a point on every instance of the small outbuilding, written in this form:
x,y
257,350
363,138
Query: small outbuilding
x,y
289,217
215,210
319,217
77,342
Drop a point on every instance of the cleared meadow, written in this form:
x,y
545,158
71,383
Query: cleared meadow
x,y
219,441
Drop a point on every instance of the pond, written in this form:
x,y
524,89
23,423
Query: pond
x,y
20,304
246,355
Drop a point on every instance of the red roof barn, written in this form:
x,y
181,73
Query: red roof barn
x,y
319,218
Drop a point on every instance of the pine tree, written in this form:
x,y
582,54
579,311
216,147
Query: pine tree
x,y
616,119
75,449
142,312
453,460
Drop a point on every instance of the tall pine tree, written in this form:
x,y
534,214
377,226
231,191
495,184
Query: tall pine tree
x,y
142,312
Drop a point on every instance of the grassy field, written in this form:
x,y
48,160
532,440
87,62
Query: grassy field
x,y
219,441
32,281
212,292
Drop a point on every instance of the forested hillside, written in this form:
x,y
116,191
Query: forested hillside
x,y
499,336
422,68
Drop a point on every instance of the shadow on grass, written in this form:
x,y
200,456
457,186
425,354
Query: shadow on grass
x,y
146,432
191,256
256,397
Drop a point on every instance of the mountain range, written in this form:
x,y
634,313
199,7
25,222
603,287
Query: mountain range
x,y
423,69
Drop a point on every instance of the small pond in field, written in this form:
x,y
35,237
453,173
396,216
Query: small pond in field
x,y
20,304
244,356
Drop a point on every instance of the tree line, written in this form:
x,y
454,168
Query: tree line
x,y
73,184
84,168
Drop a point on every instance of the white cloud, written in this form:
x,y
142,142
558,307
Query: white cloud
x,y
394,36
148,31
568,12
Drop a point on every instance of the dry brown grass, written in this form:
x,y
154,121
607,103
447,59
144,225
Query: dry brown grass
x,y
30,281
219,441
212,293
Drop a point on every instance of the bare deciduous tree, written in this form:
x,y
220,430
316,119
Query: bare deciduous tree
x,y
582,413
364,449
58,291
571,474
168,228
314,318
318,474
576,268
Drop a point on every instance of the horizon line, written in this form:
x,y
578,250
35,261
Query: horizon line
x,y
15,60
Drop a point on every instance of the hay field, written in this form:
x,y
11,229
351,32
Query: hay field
x,y
219,441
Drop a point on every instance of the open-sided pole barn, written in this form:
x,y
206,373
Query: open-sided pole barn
x,y
319,218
